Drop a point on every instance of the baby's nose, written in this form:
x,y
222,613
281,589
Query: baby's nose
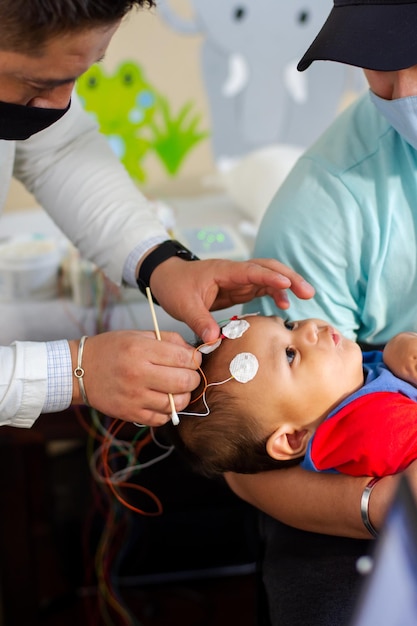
x,y
311,331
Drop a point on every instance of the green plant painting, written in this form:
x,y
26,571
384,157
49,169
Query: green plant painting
x,y
137,120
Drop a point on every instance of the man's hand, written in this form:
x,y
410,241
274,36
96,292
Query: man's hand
x,y
128,374
188,290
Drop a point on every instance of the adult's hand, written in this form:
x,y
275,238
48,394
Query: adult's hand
x,y
187,290
400,356
128,374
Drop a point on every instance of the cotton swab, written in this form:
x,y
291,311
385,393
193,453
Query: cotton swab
x,y
174,415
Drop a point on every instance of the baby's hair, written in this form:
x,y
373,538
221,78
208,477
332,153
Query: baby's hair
x,y
229,438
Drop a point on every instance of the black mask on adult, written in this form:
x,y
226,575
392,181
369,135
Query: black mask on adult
x,y
19,122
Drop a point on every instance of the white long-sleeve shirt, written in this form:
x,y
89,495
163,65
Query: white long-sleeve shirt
x,y
72,172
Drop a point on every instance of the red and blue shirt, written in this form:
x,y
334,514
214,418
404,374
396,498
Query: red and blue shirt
x,y
373,432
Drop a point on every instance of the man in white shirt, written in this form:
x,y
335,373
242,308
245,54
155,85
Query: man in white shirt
x,y
55,150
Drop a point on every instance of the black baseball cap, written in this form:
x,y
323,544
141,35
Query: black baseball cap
x,y
373,34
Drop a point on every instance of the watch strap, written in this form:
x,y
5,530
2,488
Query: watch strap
x,y
164,251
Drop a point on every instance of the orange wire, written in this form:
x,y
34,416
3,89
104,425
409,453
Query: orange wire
x,y
202,374
140,488
106,441
86,426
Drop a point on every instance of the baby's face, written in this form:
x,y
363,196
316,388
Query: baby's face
x,y
305,368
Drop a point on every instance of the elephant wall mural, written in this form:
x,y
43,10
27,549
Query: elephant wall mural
x,y
249,54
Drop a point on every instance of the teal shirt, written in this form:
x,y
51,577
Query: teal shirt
x,y
346,219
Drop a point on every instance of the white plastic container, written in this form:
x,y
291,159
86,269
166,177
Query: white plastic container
x,y
29,266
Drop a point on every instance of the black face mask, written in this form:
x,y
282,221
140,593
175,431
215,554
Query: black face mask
x,y
21,122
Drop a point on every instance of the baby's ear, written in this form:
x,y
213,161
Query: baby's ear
x,y
287,443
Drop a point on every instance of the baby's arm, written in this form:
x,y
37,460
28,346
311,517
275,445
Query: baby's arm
x,y
400,356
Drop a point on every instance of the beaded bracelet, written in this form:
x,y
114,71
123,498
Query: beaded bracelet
x,y
79,371
365,506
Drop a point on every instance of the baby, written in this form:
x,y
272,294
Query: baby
x,y
276,393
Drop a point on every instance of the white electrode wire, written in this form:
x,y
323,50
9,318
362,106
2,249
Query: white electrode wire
x,y
158,443
203,398
132,466
96,458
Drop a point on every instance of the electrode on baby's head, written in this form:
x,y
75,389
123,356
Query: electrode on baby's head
x,y
235,328
232,330
244,367
206,348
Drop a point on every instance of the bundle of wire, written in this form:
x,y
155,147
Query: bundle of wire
x,y
115,463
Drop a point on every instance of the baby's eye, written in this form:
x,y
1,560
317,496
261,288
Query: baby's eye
x,y
289,325
290,353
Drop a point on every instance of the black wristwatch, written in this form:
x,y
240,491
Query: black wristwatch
x,y
164,251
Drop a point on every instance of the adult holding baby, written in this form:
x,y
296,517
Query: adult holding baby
x,y
346,219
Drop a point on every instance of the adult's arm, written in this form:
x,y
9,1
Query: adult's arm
x,y
127,375
73,173
321,503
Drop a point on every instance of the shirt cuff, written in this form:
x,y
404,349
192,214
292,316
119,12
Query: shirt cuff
x,y
129,269
59,391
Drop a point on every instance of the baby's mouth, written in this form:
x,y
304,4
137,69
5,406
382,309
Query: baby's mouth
x,y
335,336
